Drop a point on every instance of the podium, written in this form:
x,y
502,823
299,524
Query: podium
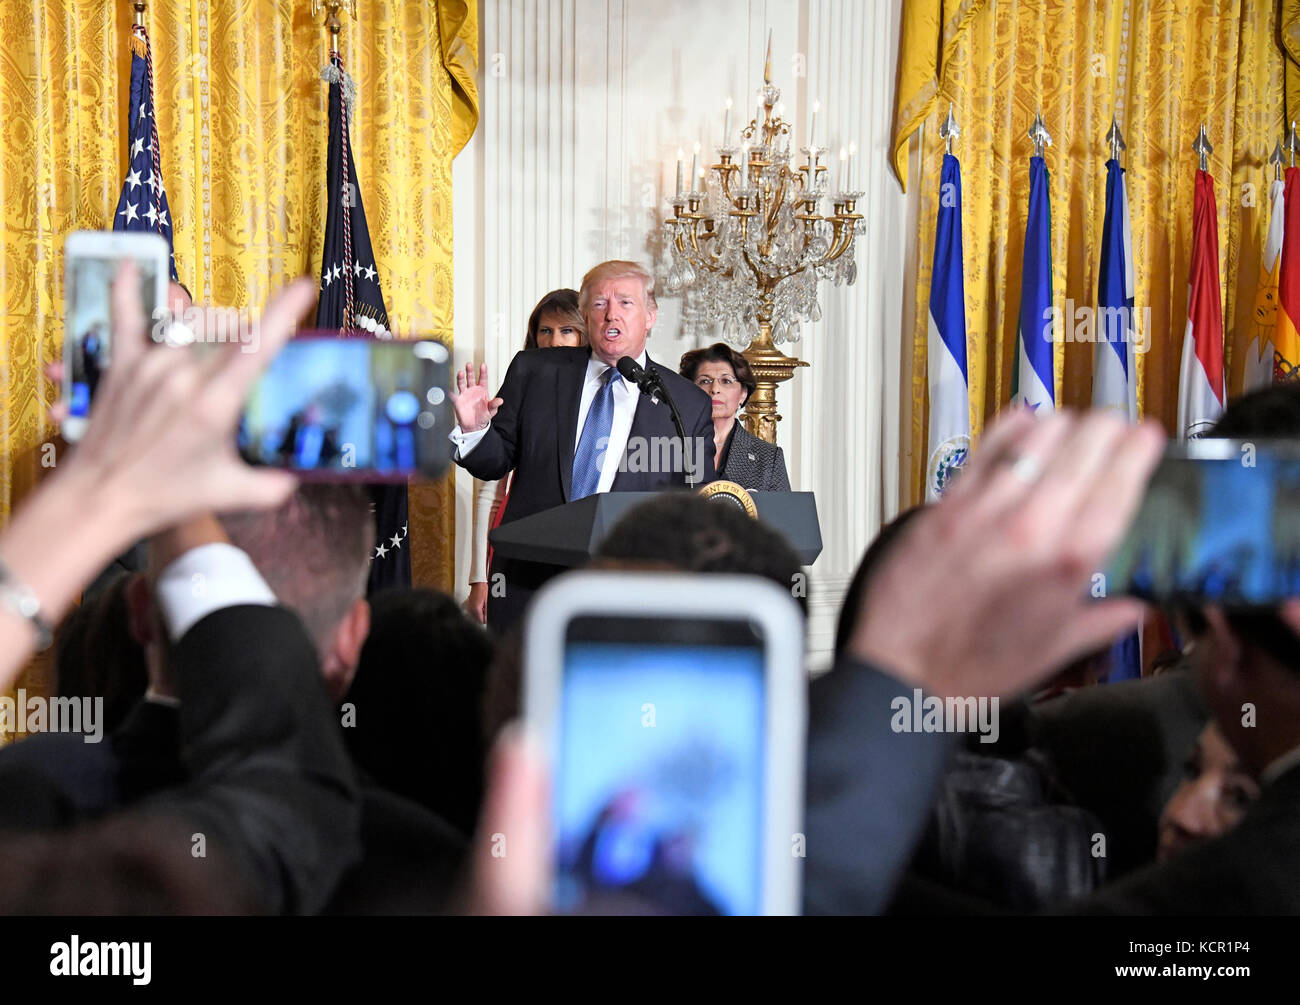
x,y
570,535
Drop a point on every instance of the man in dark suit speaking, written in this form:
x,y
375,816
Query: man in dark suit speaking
x,y
569,425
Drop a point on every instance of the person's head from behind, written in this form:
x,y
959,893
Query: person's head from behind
x,y
314,553
1211,799
1248,662
556,321
617,300
721,373
97,655
417,700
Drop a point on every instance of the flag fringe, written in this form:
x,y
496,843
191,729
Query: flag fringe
x,y
332,75
139,46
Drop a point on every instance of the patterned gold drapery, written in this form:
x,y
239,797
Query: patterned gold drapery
x,y
242,120
1162,67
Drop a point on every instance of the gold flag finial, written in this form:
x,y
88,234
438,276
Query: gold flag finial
x,y
1275,158
333,24
140,6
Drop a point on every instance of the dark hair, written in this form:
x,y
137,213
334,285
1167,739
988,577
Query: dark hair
x,y
849,610
313,552
563,302
719,352
1270,413
96,656
685,531
418,696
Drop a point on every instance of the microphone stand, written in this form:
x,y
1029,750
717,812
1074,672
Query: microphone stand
x,y
677,422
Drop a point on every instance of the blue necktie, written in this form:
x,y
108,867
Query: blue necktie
x,y
594,439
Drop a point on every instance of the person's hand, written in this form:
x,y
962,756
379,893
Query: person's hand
x,y
475,407
990,589
161,438
509,871
476,603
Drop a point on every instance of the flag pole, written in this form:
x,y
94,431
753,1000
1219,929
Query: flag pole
x,y
141,7
333,24
1291,142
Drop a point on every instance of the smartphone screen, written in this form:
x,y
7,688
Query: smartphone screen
x,y
344,407
92,261
659,773
1220,523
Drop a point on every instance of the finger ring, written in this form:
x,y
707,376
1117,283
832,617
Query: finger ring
x,y
1027,469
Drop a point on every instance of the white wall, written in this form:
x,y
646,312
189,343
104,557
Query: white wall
x,y
584,104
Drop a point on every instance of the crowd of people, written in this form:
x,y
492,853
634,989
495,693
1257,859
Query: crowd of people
x,y
278,742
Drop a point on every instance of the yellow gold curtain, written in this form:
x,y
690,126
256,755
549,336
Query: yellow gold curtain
x,y
1162,68
243,124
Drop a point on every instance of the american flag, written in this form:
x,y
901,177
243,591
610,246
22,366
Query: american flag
x,y
352,301
143,202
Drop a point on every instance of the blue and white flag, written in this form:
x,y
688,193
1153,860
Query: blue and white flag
x,y
1034,382
1114,372
143,203
949,439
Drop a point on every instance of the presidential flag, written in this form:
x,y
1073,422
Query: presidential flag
x,y
949,439
1258,371
143,203
1200,387
1286,339
1114,371
351,301
1033,383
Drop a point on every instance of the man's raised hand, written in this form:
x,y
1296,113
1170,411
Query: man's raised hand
x,y
475,408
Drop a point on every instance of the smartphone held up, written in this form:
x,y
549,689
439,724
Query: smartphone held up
x,y
671,710
334,408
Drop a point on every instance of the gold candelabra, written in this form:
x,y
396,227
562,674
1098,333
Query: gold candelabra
x,y
750,238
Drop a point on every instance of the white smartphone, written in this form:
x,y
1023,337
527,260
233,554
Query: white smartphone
x,y
671,708
91,259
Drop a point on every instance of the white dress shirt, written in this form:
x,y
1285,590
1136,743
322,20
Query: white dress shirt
x,y
625,402
206,579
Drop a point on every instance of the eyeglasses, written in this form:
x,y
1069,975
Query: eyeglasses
x,y
707,382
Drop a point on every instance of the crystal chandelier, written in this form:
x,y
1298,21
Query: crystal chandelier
x,y
750,241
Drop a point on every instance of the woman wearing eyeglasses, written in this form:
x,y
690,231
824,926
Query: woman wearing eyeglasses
x,y
725,376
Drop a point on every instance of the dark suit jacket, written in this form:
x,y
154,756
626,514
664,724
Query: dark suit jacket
x,y
270,783
533,434
755,464
869,790
1249,870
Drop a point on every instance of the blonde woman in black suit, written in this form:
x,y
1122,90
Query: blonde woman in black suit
x,y
725,376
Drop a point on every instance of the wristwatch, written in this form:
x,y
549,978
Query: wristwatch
x,y
17,597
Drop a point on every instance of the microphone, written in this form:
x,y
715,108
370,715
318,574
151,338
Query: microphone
x,y
631,370
652,384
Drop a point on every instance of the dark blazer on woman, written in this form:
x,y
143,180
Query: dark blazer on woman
x,y
753,463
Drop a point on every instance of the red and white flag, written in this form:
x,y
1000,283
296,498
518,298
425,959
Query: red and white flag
x,y
1200,389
